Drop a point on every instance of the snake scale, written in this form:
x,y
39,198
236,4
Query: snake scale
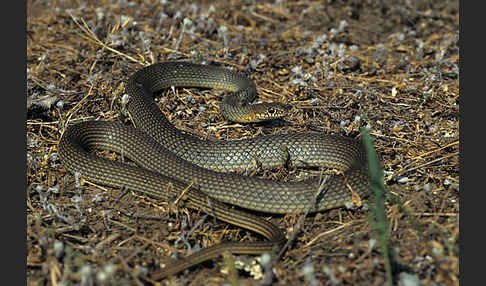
x,y
168,160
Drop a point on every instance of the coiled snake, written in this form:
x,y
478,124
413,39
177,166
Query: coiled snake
x,y
169,160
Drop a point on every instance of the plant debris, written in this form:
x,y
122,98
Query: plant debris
x,y
392,66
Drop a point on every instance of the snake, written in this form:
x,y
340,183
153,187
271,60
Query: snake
x,y
173,165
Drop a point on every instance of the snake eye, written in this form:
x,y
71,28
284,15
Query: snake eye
x,y
272,111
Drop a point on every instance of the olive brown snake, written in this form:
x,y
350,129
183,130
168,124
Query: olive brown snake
x,y
169,160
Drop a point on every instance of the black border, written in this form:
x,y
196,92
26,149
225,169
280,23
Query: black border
x,y
471,77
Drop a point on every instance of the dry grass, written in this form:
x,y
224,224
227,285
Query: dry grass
x,y
394,66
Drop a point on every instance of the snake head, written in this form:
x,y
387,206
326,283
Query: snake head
x,y
266,111
273,111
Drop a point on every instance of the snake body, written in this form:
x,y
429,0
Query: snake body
x,y
169,160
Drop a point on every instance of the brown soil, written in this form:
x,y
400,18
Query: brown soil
x,y
392,64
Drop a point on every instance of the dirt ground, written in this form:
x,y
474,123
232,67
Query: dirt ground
x,y
342,65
